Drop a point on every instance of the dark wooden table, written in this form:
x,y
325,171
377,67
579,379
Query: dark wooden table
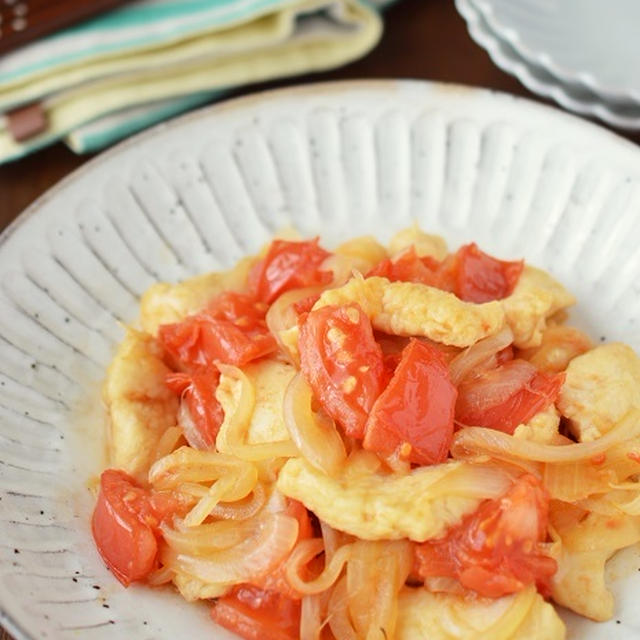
x,y
423,39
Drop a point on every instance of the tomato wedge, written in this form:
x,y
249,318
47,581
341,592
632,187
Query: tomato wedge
x,y
409,267
288,265
496,550
257,614
124,523
232,329
342,363
474,276
504,397
198,391
482,278
414,414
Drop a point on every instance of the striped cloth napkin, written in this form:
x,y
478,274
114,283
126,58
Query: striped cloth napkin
x,y
148,60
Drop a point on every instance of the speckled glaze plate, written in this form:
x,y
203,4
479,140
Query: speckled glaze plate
x,y
198,193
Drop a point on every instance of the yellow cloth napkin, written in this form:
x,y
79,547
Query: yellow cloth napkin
x,y
274,39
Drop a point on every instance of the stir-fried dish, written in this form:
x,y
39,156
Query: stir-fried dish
x,y
371,442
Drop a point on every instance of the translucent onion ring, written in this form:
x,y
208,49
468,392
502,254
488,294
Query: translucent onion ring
x,y
339,617
206,538
311,617
190,465
228,488
474,440
273,537
477,354
304,551
511,620
236,426
244,510
281,316
317,439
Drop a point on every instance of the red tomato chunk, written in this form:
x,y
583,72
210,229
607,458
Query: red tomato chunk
x,y
409,267
482,278
288,265
471,274
257,614
496,550
414,414
232,329
198,391
507,396
125,522
343,363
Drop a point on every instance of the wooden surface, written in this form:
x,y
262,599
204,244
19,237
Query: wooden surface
x,y
424,39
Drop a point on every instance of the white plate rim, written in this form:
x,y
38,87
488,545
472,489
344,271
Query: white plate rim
x,y
529,75
613,93
596,134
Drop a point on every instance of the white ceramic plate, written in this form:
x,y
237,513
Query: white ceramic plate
x,y
588,42
572,96
199,192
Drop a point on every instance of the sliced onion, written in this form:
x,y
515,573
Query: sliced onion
x,y
475,440
331,539
339,622
271,539
228,488
375,573
190,465
191,432
494,387
361,463
481,481
573,481
311,613
206,538
244,509
303,553
621,500
160,576
508,624
168,442
281,316
342,266
478,354
235,426
316,437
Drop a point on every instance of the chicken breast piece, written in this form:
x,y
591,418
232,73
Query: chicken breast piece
x,y
559,346
601,386
413,309
164,303
579,584
444,616
270,379
542,428
537,297
361,254
139,405
425,244
419,505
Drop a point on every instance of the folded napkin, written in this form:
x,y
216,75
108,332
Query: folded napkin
x,y
112,75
